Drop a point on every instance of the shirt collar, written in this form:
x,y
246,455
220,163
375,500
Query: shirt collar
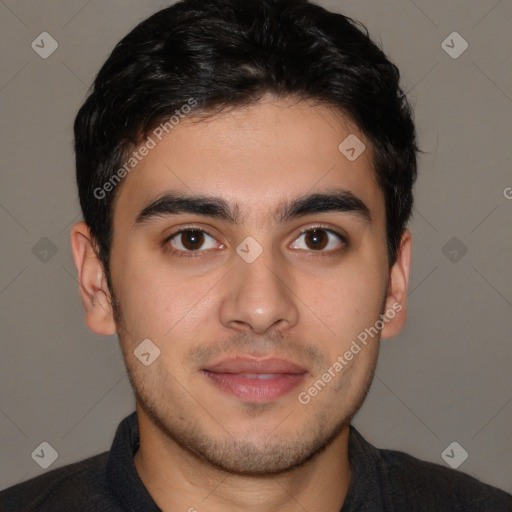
x,y
364,493
129,490
122,477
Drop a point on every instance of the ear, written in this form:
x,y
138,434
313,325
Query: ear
x,y
99,315
396,300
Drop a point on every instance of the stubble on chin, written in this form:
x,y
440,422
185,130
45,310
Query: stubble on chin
x,y
280,453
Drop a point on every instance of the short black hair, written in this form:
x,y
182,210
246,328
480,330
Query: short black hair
x,y
220,54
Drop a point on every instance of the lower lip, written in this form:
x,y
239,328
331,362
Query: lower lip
x,y
256,390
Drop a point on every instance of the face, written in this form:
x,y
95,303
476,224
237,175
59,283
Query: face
x,y
257,300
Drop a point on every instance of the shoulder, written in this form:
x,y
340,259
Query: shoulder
x,y
438,487
81,484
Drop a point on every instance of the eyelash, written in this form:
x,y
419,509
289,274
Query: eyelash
x,y
199,252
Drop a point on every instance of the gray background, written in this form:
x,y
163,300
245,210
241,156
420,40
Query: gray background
x,y
445,378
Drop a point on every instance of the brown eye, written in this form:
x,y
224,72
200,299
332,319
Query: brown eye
x,y
320,240
316,239
191,240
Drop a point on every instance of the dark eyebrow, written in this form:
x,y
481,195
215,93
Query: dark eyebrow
x,y
335,201
177,203
216,207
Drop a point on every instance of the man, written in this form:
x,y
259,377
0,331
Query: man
x,y
245,171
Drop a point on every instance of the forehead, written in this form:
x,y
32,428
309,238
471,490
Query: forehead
x,y
255,157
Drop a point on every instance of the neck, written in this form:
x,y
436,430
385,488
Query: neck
x,y
179,480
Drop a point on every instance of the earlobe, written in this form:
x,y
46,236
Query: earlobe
x,y
96,298
396,301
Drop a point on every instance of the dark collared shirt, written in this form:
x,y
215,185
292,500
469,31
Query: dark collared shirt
x,y
382,480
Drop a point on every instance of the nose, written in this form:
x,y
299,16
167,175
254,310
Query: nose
x,y
259,296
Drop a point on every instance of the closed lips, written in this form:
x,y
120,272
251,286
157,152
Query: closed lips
x,y
256,368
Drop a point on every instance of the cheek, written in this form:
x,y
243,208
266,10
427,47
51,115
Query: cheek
x,y
349,300
158,302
